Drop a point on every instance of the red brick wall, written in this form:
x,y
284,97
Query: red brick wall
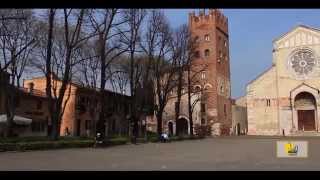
x,y
214,24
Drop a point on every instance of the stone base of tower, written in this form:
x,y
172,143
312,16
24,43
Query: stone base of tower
x,y
220,129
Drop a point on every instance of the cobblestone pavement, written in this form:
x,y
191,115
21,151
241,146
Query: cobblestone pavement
x,y
223,153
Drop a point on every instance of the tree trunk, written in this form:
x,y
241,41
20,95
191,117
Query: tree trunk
x,y
49,75
179,89
10,106
101,122
159,122
189,102
54,128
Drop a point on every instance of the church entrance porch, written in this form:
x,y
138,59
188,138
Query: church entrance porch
x,y
306,120
306,111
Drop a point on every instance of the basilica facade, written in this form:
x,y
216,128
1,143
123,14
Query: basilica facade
x,y
284,100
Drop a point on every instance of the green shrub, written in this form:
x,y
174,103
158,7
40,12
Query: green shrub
x,y
41,145
152,134
117,141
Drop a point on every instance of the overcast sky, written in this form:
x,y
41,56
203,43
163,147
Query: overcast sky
x,y
251,32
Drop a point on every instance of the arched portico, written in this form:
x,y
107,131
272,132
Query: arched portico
x,y
304,102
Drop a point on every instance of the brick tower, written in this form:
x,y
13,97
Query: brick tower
x,y
212,65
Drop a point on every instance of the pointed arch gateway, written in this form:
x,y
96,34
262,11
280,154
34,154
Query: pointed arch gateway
x,y
182,126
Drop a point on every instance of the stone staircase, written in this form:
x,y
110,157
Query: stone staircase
x,y
307,133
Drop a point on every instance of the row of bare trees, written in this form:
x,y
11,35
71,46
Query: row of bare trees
x,y
133,51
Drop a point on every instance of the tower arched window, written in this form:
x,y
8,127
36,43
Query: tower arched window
x,y
203,75
207,53
197,39
207,37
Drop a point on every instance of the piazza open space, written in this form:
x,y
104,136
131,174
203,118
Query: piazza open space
x,y
220,153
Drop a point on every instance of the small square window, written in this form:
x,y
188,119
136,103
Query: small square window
x,y
268,102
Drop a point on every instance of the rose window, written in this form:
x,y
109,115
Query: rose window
x,y
302,62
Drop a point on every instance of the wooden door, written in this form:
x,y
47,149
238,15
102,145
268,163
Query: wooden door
x,y
306,120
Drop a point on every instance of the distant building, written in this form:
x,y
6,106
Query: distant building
x,y
239,116
285,100
30,104
82,109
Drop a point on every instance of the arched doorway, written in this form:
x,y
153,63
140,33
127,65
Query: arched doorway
x,y
305,105
238,129
182,127
170,127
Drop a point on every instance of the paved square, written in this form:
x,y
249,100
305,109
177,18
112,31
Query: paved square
x,y
223,153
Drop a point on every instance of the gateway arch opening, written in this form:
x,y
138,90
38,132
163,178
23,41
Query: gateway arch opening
x,y
305,104
182,127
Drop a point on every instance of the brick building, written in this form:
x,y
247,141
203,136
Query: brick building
x,y
82,109
30,104
212,66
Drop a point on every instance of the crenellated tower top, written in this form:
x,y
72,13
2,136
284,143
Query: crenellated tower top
x,y
213,17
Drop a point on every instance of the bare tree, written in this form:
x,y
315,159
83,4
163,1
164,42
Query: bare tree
x,y
57,56
187,72
162,61
195,95
180,49
88,69
134,18
109,47
16,42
